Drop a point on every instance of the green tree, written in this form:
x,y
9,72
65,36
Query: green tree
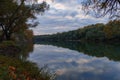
x,y
14,15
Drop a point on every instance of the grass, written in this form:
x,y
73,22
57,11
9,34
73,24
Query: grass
x,y
13,69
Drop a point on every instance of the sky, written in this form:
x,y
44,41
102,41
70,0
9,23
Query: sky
x,y
64,15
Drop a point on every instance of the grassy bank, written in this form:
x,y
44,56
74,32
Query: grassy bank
x,y
13,69
14,64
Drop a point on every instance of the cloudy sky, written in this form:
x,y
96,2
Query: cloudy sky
x,y
64,15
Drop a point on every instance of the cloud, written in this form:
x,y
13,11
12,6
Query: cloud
x,y
60,6
64,15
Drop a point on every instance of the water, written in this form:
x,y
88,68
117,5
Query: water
x,y
76,61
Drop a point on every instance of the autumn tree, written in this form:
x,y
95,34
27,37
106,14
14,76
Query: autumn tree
x,y
103,7
112,29
14,15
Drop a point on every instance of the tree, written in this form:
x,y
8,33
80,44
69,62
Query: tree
x,y
103,7
112,29
14,15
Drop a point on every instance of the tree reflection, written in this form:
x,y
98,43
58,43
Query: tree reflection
x,y
22,54
111,51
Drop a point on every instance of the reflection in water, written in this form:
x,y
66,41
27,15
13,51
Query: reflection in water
x,y
111,51
22,54
78,61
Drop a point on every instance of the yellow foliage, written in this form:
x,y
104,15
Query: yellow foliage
x,y
112,29
28,34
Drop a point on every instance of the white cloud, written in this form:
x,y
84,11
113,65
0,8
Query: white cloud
x,y
69,17
48,1
64,15
60,6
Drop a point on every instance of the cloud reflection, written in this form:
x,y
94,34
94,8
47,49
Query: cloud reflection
x,y
73,65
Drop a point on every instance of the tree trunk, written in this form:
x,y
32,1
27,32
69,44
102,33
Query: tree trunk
x,y
7,35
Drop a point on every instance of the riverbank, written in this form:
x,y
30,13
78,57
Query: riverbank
x,y
15,66
15,69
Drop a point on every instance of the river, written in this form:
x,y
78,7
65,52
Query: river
x,y
76,61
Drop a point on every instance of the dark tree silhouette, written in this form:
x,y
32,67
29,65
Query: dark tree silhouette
x,y
103,7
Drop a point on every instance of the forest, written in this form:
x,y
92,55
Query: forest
x,y
95,32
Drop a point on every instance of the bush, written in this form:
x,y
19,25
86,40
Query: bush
x,y
7,44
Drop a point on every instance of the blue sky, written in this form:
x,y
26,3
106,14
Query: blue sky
x,y
64,15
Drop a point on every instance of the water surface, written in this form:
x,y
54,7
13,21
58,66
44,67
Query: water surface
x,y
76,61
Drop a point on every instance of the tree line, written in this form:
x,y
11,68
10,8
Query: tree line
x,y
94,32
